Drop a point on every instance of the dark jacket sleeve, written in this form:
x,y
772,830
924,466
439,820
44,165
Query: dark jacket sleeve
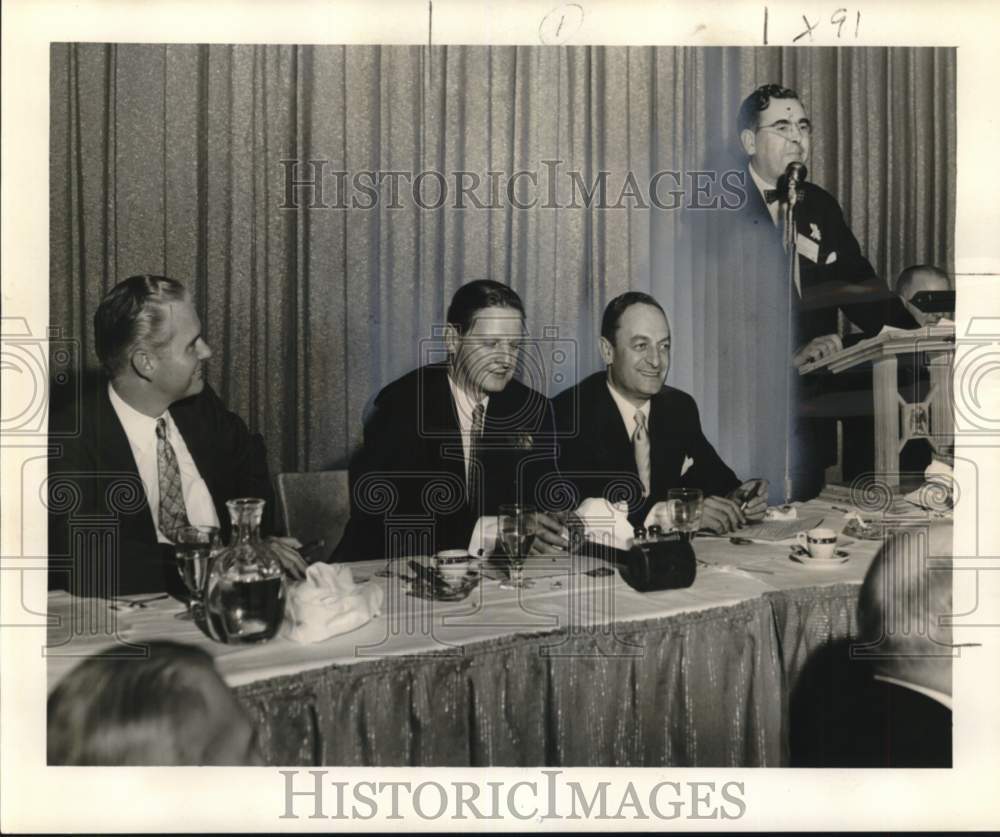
x,y
240,459
574,454
384,436
867,301
542,475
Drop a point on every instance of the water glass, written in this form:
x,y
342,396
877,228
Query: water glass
x,y
684,507
515,534
194,549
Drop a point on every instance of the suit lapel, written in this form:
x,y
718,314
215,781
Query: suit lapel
x,y
440,422
186,417
114,453
614,445
110,442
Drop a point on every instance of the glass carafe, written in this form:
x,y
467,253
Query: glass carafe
x,y
245,587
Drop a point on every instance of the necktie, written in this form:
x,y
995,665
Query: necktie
x,y
771,195
640,441
173,514
475,471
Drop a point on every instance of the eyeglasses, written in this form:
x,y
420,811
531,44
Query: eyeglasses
x,y
787,129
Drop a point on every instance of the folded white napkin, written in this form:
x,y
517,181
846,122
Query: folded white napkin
x,y
937,492
484,537
658,516
606,523
327,602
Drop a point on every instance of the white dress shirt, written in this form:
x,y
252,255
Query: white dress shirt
x,y
464,405
628,411
141,432
933,694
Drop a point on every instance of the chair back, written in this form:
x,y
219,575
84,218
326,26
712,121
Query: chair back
x,y
314,504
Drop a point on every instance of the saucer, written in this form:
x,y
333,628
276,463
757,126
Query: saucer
x,y
817,563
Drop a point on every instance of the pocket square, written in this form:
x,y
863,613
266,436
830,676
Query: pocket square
x,y
832,257
688,462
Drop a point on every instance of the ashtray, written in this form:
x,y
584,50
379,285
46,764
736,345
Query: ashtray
x,y
431,583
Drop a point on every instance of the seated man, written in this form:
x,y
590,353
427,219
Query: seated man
x,y
157,450
625,423
170,708
450,442
887,704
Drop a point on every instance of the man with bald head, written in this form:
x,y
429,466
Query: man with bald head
x,y
917,278
894,706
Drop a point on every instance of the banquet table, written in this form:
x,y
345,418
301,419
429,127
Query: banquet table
x,y
577,670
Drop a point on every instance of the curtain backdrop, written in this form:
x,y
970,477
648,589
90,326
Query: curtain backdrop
x,y
168,159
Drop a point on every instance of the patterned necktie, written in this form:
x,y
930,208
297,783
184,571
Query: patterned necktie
x,y
475,471
173,514
640,441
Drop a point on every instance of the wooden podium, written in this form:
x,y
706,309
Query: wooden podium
x,y
897,420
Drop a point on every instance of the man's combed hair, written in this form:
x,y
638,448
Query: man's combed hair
x,y
474,296
115,710
614,310
133,313
910,273
749,115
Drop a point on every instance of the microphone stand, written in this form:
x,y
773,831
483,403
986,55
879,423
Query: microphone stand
x,y
792,255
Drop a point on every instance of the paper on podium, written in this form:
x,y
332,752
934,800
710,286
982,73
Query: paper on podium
x,y
889,334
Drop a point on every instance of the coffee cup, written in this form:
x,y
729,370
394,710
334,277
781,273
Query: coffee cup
x,y
453,564
819,543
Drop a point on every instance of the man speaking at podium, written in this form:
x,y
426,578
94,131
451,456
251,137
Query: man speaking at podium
x,y
830,272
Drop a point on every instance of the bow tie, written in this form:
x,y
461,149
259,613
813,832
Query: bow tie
x,y
771,195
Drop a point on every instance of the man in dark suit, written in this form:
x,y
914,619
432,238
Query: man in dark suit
x,y
450,442
157,450
624,435
797,315
889,703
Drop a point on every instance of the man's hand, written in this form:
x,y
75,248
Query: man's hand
x,y
755,505
550,535
817,349
721,515
284,550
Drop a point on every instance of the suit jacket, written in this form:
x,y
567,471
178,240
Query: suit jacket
x,y
882,725
408,488
840,278
744,263
98,507
596,454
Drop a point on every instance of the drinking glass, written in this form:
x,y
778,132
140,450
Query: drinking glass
x,y
195,548
684,506
515,534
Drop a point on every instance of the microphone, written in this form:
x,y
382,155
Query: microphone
x,y
790,184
